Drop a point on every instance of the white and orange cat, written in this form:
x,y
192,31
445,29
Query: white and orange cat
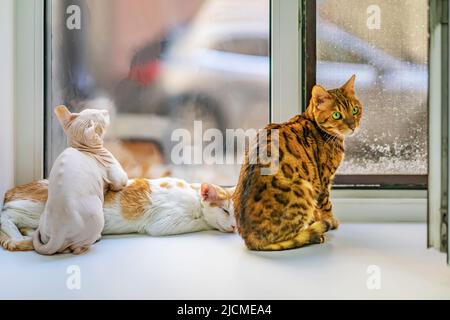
x,y
157,207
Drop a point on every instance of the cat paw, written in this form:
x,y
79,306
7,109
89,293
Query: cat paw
x,y
18,245
118,180
317,238
334,224
80,250
116,186
321,239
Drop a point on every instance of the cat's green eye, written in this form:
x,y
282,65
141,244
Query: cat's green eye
x,y
336,115
355,110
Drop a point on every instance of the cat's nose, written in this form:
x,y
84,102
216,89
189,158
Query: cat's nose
x,y
350,123
233,228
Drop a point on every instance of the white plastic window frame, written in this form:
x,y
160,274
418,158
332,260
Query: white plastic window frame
x,y
349,205
439,88
29,90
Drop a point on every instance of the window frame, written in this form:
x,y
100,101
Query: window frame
x,y
285,60
438,146
29,90
7,95
376,181
285,100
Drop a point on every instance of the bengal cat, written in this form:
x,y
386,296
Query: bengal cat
x,y
291,208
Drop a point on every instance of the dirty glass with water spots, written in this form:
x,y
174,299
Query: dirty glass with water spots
x,y
159,66
385,43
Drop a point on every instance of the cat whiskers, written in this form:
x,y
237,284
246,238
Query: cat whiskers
x,y
330,139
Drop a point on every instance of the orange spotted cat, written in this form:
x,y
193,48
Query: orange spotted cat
x,y
291,208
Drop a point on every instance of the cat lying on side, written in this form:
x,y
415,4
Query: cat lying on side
x,y
159,207
73,217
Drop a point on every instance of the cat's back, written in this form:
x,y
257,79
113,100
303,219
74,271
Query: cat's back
x,y
144,201
73,171
172,191
143,197
74,163
292,137
296,144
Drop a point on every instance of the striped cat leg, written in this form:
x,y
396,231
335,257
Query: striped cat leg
x,y
8,226
326,214
314,234
15,245
10,237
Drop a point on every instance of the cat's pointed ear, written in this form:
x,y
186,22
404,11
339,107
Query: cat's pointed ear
x,y
349,87
64,115
208,192
320,95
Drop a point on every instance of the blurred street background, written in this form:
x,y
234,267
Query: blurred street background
x,y
158,65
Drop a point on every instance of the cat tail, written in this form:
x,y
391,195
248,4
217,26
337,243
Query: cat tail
x,y
311,235
15,245
51,247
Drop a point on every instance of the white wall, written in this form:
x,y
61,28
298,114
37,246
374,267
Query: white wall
x,y
6,95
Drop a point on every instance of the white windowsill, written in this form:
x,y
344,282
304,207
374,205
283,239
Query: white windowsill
x,y
337,269
380,205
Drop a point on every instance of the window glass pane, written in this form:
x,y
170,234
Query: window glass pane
x,y
385,43
158,66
